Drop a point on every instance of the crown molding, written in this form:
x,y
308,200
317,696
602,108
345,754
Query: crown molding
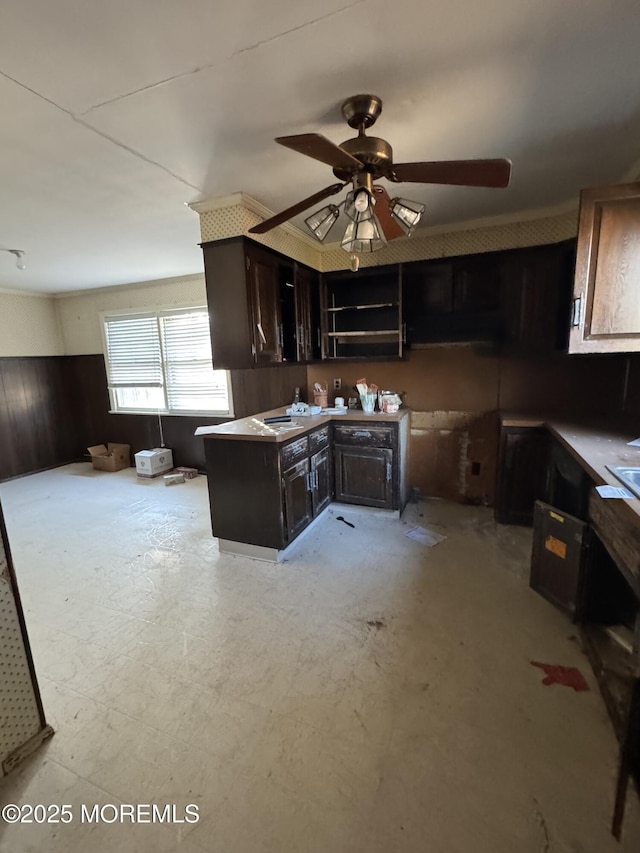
x,y
249,203
11,291
208,204
130,285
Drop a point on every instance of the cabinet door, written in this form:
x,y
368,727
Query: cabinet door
x,y
537,294
428,300
476,284
364,475
454,300
606,309
297,498
321,480
263,279
306,331
232,342
522,468
558,557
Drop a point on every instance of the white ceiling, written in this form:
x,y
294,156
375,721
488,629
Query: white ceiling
x,y
114,114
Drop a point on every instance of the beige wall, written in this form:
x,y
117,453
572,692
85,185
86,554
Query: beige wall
x,y
79,314
28,325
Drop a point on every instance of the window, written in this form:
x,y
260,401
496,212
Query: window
x,y
160,361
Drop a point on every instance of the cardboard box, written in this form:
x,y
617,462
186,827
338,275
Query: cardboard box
x,y
173,479
187,473
152,463
114,457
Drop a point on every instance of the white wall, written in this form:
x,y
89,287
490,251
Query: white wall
x,y
79,314
29,325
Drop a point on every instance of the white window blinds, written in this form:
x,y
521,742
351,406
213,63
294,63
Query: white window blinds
x,y
133,351
161,362
192,383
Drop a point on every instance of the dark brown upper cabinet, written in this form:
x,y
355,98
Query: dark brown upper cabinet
x,y
307,295
454,299
606,295
537,286
263,306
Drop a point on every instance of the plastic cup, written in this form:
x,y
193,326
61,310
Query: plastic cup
x,y
368,403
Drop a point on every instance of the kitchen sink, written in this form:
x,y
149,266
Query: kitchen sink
x,y
628,475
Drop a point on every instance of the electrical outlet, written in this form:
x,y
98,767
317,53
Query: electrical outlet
x,y
337,384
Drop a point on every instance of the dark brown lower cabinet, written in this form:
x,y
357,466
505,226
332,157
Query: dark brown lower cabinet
x,y
307,491
364,475
558,558
265,493
321,480
298,510
522,473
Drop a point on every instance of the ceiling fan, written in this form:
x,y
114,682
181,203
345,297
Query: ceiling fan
x,y
374,216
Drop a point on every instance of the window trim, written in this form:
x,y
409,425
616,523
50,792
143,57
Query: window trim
x,y
157,312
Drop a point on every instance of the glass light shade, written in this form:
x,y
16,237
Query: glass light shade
x,y
322,221
363,236
406,213
358,204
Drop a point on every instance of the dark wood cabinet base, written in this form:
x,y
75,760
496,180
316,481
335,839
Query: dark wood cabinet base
x,y
264,493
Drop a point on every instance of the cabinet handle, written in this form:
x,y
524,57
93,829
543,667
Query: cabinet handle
x,y
576,312
318,338
281,335
388,471
309,486
261,333
315,479
361,433
301,345
404,333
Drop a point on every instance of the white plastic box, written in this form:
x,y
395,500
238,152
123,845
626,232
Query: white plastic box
x,y
152,463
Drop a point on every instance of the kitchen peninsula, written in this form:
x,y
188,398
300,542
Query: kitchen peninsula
x,y
268,482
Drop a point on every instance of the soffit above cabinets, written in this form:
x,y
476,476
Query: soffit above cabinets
x,y
115,115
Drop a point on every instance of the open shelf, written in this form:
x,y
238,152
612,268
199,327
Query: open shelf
x,y
361,307
363,333
362,314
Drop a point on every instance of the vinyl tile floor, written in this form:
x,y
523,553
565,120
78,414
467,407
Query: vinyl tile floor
x,y
368,694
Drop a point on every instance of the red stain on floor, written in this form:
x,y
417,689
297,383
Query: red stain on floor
x,y
568,676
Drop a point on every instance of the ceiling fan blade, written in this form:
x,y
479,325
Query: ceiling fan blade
x,y
383,212
295,209
320,148
464,173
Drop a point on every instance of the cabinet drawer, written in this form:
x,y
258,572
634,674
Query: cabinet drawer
x,y
365,435
319,439
291,453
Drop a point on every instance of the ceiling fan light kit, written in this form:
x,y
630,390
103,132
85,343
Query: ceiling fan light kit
x,y
406,213
363,160
322,221
363,236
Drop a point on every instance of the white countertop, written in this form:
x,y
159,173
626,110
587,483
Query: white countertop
x,y
254,428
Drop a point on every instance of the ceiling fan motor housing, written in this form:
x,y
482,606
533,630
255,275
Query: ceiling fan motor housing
x,y
360,111
375,153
